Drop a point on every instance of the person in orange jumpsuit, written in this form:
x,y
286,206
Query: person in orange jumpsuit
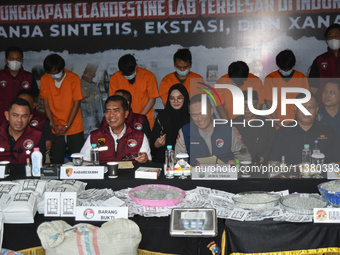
x,y
286,76
183,75
141,84
238,75
61,92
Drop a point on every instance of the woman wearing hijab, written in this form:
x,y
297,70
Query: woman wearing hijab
x,y
169,121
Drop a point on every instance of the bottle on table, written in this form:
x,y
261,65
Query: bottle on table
x,y
94,155
169,162
37,159
28,168
238,167
306,160
283,162
237,164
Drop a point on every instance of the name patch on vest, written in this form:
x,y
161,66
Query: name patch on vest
x,y
3,84
219,143
34,123
138,126
324,65
195,143
132,143
28,144
25,84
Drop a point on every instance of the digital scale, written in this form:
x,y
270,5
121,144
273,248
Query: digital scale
x,y
193,222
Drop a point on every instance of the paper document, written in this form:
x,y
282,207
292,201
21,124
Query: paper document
x,y
210,160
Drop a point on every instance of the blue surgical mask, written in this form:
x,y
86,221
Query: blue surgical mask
x,y
57,76
130,77
183,73
286,73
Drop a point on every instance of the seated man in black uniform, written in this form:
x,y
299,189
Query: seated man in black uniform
x,y
17,137
116,140
290,141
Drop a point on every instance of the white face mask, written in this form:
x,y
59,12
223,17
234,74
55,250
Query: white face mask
x,y
183,73
130,77
14,65
58,75
286,73
333,44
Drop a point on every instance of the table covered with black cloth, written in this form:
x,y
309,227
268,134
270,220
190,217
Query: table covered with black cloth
x,y
269,236
155,230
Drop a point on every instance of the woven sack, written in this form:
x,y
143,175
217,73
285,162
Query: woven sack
x,y
120,236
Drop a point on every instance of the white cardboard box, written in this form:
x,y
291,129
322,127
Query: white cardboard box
x,y
147,172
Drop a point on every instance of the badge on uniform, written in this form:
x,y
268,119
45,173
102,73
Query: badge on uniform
x,y
101,141
132,143
138,126
34,123
3,84
28,144
324,65
219,143
25,85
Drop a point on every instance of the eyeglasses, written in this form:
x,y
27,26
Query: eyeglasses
x,y
127,158
178,99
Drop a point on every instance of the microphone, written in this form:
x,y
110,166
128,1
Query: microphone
x,y
19,150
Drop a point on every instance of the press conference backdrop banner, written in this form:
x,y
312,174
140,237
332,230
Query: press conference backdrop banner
x,y
95,34
94,26
250,30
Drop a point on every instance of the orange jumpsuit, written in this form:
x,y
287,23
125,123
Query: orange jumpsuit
x,y
274,79
144,87
61,100
227,98
171,79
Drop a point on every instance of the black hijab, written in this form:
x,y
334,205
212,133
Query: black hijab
x,y
172,119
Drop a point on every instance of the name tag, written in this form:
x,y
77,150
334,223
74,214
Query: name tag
x,y
214,172
2,172
103,148
333,171
100,213
326,215
82,172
